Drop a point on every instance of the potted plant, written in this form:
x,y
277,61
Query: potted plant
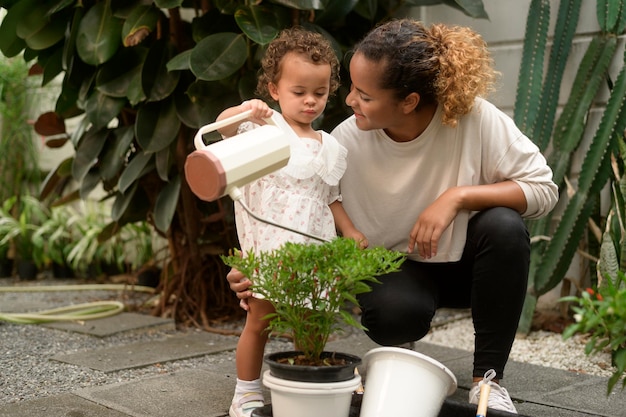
x,y
310,286
26,214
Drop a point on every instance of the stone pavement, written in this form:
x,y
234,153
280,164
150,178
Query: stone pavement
x,y
206,392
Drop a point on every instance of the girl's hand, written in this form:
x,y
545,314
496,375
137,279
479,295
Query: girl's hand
x,y
432,222
240,284
260,110
357,236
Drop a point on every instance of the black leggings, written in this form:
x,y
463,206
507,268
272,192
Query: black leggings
x,y
490,278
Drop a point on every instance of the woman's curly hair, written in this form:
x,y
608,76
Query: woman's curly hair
x,y
312,45
450,65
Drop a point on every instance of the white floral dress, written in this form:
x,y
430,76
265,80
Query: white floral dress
x,y
296,196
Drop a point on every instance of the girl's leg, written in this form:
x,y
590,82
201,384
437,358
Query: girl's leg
x,y
498,252
251,345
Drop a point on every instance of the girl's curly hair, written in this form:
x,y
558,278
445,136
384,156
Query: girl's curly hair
x,y
312,45
450,65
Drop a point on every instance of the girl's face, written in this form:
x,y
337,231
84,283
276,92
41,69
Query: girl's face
x,y
302,90
374,107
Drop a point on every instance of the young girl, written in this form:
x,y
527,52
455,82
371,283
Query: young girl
x,y
299,72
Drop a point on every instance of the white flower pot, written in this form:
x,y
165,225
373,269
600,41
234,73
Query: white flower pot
x,y
401,382
310,399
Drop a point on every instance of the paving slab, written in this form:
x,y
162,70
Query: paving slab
x,y
189,393
136,355
65,405
123,322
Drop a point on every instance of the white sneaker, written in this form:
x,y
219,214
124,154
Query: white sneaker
x,y
499,398
246,405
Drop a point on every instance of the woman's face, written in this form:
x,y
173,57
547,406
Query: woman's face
x,y
374,107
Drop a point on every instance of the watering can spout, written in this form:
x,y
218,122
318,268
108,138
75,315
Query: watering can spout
x,y
219,169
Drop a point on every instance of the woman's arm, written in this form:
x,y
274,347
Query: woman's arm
x,y
436,218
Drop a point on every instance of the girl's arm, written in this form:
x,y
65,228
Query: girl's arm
x,y
344,225
260,111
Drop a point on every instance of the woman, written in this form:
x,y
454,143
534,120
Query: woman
x,y
440,173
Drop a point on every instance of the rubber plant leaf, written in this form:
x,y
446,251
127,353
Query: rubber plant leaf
x,y
165,206
258,22
89,182
53,65
122,201
471,8
200,103
140,23
157,82
114,156
55,176
98,34
101,109
218,56
116,76
69,46
10,43
87,152
302,4
168,4
135,169
157,125
366,9
179,62
162,162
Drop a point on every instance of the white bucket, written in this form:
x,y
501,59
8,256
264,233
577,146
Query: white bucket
x,y
310,399
401,382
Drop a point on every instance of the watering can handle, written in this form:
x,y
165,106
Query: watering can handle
x,y
199,143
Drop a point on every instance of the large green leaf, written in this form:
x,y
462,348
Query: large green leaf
x,y
115,155
261,23
334,11
218,56
117,76
99,34
139,24
202,101
180,61
162,163
87,152
168,4
302,4
101,109
166,203
472,8
135,169
157,125
158,83
10,43
122,201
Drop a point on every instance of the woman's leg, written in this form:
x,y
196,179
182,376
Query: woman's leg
x,y
498,252
400,309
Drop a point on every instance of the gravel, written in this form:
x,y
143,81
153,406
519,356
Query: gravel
x,y
26,372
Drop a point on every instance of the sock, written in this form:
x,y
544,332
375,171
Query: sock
x,y
244,387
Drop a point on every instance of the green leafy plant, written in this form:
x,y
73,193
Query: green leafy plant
x,y
310,285
601,313
24,216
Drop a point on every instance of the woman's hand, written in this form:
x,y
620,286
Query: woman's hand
x,y
432,222
240,284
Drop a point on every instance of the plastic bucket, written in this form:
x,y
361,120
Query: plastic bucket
x,y
310,399
401,382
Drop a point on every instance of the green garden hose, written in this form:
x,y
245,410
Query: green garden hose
x,y
86,311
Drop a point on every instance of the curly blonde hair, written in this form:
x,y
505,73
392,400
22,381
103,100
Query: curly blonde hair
x,y
312,45
450,65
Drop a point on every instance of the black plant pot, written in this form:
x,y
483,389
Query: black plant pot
x,y
62,271
6,268
27,270
307,373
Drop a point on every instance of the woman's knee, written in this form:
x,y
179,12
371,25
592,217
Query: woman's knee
x,y
501,226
